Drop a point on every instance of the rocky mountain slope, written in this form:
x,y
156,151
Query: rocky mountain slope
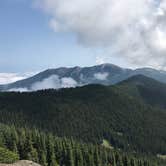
x,y
105,74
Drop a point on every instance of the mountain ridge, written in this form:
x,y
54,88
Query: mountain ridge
x,y
149,90
106,74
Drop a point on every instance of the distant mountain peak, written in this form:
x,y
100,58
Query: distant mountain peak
x,y
108,65
62,77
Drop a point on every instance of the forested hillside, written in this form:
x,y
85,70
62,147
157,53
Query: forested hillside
x,y
90,114
147,89
83,117
49,150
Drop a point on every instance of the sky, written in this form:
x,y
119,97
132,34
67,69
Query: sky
x,y
39,34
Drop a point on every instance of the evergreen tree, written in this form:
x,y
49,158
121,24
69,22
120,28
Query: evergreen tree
x,y
70,156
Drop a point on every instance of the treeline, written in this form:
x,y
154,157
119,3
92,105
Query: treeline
x,y
89,114
49,150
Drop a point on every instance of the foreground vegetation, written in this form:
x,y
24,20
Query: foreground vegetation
x,y
49,150
7,156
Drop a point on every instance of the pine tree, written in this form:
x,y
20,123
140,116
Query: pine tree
x,y
79,158
70,157
132,162
114,160
53,161
97,158
104,157
33,155
42,159
125,161
90,160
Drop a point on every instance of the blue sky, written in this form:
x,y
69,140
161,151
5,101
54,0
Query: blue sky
x,y
27,43
54,33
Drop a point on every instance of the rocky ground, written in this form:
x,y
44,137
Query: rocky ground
x,y
22,163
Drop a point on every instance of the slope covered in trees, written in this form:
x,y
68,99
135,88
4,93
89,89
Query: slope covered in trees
x,y
127,116
49,150
150,91
89,114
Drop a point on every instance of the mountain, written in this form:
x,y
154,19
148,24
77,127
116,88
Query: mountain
x,y
148,90
106,74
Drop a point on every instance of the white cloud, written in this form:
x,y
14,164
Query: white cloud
x,y
161,39
100,60
6,78
68,82
54,82
48,83
126,27
101,76
18,90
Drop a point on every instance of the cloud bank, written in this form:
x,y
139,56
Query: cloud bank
x,y
131,29
6,78
18,90
54,82
101,76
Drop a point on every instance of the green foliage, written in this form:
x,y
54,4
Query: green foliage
x,y
122,115
89,114
7,156
148,90
49,150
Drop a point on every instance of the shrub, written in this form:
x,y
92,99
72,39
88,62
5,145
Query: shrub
x,y
7,156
